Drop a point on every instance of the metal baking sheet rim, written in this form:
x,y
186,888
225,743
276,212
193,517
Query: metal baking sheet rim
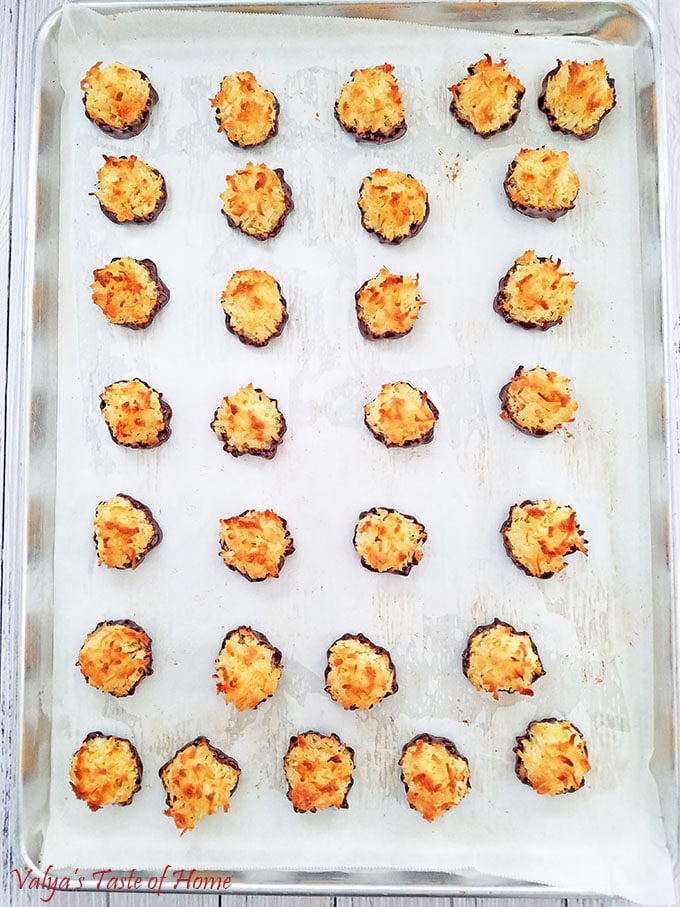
x,y
28,522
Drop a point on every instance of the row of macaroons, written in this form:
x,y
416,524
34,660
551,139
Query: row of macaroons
x,y
574,97
535,292
537,535
551,757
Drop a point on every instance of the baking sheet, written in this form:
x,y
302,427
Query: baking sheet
x,y
593,623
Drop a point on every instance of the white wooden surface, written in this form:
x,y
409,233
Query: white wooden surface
x,y
19,20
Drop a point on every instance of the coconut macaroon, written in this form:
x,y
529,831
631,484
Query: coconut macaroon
x,y
198,780
575,97
124,532
499,659
129,190
552,757
540,183
247,669
370,105
435,775
115,657
105,771
245,111
359,674
488,100
118,99
255,544
393,205
535,292
537,401
388,541
254,308
319,771
257,201
401,415
135,414
249,422
129,292
538,535
388,305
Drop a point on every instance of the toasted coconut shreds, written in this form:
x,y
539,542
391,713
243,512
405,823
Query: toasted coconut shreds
x,y
198,780
254,309
370,105
129,292
249,422
118,99
319,771
540,183
245,111
129,190
393,205
401,415
388,305
388,541
538,535
247,669
359,674
124,532
257,201
436,777
535,292
105,770
538,401
255,544
552,757
488,99
135,414
498,659
115,657
576,97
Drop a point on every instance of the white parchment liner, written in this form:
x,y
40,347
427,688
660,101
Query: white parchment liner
x,y
592,623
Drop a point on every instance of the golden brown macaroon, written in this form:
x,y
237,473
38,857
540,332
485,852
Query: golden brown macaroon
x,y
370,105
435,775
129,190
105,771
537,401
198,780
388,541
255,544
401,415
257,201
359,674
576,97
118,99
129,292
254,309
135,414
319,771
245,111
393,205
552,757
124,532
388,305
115,657
248,668
488,100
249,422
540,183
499,659
535,292
538,535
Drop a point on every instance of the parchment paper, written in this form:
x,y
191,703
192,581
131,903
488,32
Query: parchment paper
x,y
591,623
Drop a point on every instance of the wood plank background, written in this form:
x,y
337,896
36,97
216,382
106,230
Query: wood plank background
x,y
19,21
